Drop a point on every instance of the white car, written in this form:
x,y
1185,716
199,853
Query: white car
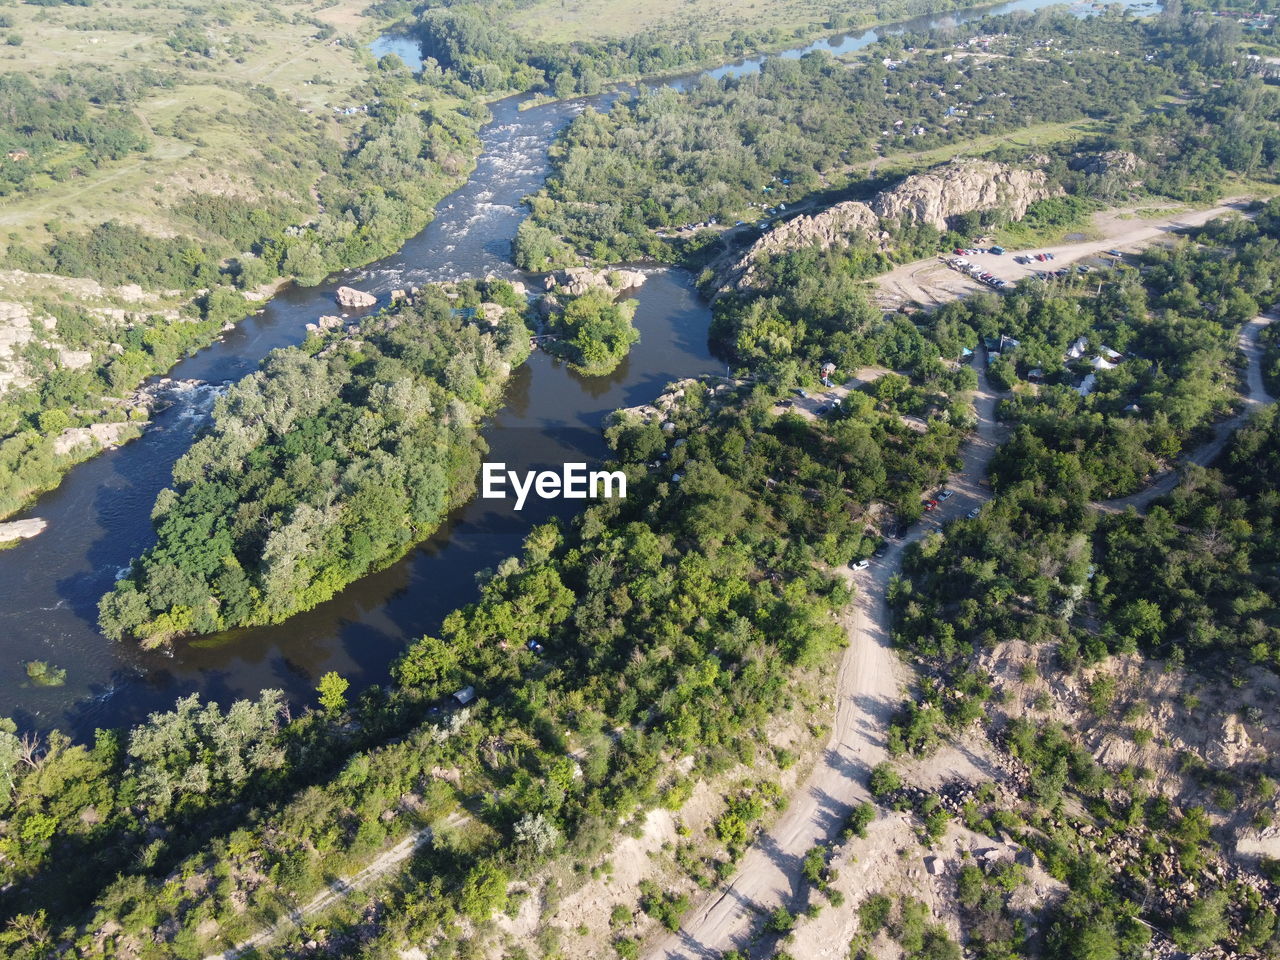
x,y
860,564
946,495
972,514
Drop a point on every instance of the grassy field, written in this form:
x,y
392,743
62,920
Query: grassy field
x,y
196,141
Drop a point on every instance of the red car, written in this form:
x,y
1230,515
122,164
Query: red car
x,y
930,505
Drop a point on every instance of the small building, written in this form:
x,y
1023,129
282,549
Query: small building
x,y
1077,350
1086,385
465,695
1101,363
1036,375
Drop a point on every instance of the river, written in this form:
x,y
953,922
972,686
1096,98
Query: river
x,y
99,517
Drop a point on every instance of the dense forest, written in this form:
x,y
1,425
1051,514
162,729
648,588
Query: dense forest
x,y
1066,451
375,189
1189,582
664,624
643,178
1197,576
478,44
327,464
675,625
37,121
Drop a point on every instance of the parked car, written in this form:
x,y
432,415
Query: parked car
x,y
860,564
972,514
946,495
930,505
880,551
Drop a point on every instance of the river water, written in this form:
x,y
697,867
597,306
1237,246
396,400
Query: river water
x,y
99,517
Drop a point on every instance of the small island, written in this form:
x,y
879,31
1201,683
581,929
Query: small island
x,y
595,332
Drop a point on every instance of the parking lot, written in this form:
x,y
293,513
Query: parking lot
x,y
1001,270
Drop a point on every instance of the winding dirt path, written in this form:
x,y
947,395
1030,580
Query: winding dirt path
x,y
1255,399
868,692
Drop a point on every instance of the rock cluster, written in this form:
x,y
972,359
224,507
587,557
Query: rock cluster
x,y
961,186
1109,161
575,281
325,324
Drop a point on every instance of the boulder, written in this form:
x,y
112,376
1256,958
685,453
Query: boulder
x,y
351,297
325,324
74,359
21,529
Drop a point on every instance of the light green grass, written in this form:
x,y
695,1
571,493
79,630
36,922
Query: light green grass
x,y
251,46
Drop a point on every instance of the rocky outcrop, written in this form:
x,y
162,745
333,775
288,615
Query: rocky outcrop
x,y
351,297
21,529
576,281
1109,161
105,435
961,186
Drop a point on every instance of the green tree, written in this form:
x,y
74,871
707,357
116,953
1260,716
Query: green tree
x,y
333,692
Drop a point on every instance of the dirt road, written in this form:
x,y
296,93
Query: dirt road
x,y
931,282
868,691
1256,398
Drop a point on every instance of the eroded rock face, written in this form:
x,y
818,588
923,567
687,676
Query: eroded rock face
x,y
351,297
961,186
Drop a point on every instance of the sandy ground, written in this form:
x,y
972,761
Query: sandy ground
x,y
1256,398
931,282
868,692
807,407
